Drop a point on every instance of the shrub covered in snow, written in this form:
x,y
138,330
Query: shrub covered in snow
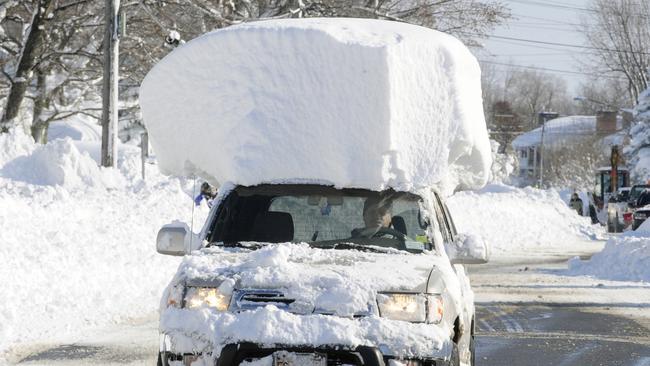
x,y
638,152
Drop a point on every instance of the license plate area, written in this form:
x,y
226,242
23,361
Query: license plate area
x,y
284,358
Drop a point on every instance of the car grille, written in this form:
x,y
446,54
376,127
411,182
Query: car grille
x,y
250,299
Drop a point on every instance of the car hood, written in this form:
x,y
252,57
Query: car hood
x,y
321,283
330,281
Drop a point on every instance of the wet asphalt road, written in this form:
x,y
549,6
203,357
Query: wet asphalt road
x,y
536,335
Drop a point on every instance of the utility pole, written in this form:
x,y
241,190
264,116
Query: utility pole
x,y
110,83
545,116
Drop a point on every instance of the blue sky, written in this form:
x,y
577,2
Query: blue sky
x,y
554,21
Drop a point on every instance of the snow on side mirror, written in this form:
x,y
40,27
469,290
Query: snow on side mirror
x,y
174,239
468,249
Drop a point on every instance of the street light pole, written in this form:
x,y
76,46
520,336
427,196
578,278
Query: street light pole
x,y
110,84
541,158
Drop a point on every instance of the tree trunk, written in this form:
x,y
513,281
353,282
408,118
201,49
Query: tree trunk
x,y
26,63
39,124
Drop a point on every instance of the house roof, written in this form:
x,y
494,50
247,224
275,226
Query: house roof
x,y
560,130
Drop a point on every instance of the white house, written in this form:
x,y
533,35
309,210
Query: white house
x,y
559,132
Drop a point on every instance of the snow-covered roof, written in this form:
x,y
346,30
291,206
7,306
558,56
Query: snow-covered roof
x,y
562,130
350,102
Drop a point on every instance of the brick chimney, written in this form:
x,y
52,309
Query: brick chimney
x,y
606,122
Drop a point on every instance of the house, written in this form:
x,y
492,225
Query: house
x,y
562,132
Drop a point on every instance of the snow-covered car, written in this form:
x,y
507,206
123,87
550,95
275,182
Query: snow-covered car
x,y
302,274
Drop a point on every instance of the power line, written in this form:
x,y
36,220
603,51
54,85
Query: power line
x,y
550,4
559,44
547,69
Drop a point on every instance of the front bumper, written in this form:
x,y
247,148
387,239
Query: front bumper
x,y
235,354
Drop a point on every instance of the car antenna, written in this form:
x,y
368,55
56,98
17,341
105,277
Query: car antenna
x,y
192,220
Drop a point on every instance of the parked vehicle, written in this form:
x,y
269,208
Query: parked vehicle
x,y
640,215
635,192
302,274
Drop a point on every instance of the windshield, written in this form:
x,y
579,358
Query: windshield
x,y
635,192
321,216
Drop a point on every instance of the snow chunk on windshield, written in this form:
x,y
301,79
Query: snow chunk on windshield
x,y
350,102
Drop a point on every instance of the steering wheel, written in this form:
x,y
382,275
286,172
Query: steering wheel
x,y
374,232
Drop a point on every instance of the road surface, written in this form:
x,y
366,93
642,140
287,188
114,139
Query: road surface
x,y
528,314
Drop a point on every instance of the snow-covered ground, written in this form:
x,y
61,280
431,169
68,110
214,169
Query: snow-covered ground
x,y
520,222
77,241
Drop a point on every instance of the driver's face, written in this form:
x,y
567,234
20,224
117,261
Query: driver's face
x,y
386,219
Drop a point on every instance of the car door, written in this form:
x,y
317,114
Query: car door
x,y
466,310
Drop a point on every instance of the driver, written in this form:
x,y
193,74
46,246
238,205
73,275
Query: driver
x,y
376,216
377,213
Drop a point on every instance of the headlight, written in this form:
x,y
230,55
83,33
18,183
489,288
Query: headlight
x,y
410,307
198,297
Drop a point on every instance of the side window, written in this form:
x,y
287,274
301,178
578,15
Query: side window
x,y
440,218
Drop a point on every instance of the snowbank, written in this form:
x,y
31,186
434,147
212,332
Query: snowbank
x,y
625,258
522,221
13,144
78,129
74,256
56,163
351,102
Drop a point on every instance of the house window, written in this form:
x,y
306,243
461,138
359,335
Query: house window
x,y
523,153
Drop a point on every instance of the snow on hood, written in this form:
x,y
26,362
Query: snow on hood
x,y
342,283
351,102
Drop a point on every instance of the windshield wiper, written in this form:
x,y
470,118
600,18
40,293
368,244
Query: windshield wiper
x,y
236,244
359,247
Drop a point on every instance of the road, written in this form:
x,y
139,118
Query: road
x,y
528,313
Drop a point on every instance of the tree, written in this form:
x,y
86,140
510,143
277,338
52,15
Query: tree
x,y
50,50
619,33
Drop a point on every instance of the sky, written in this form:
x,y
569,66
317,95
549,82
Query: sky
x,y
554,21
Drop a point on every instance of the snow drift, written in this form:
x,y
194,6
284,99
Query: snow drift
x,y
625,258
77,251
522,222
350,102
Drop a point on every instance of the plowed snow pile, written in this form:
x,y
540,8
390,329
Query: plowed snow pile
x,y
524,222
625,258
77,242
350,102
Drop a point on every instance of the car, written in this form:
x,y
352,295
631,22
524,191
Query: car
x,y
634,194
311,274
640,215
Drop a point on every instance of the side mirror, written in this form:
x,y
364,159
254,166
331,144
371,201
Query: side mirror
x,y
468,249
174,239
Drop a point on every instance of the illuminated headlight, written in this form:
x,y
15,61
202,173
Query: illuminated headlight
x,y
203,297
611,210
416,308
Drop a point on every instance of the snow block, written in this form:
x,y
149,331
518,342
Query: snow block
x,y
349,102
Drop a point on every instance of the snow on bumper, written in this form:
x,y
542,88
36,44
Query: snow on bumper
x,y
205,331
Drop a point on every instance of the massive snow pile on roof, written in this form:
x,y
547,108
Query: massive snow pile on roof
x,y
522,223
351,102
